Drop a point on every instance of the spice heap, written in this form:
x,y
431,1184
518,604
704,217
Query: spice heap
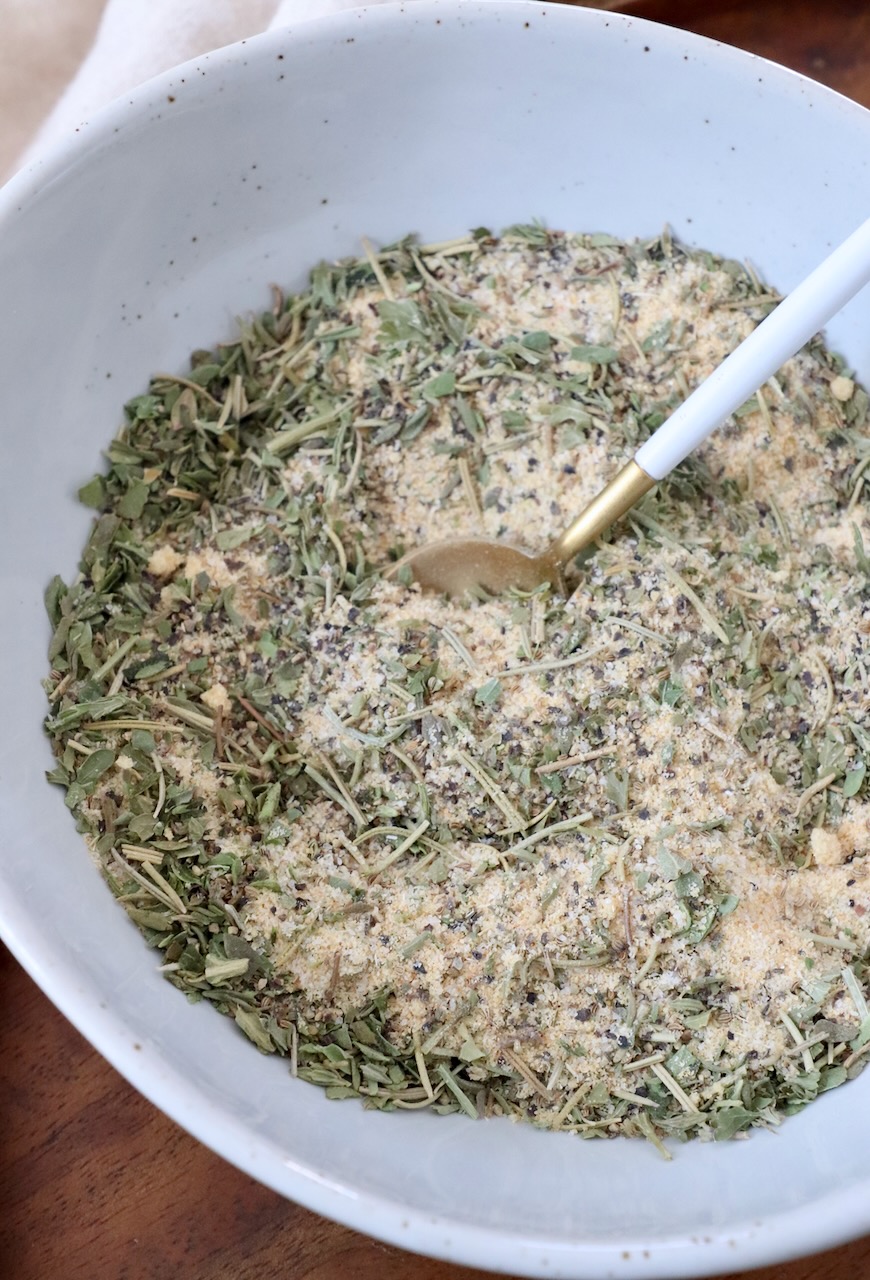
x,y
599,863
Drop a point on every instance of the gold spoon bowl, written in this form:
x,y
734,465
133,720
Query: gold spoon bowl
x,y
469,566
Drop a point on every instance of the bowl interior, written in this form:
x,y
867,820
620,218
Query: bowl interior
x,y
166,218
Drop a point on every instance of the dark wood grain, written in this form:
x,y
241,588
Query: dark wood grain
x,y
95,1184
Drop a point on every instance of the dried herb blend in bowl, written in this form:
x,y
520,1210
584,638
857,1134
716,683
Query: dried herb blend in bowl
x,y
599,863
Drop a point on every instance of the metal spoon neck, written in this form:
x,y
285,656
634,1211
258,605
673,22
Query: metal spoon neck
x,y
616,498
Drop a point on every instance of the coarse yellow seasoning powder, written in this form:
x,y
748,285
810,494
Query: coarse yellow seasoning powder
x,y
596,862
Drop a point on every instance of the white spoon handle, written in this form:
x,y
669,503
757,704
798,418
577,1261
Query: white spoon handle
x,y
796,319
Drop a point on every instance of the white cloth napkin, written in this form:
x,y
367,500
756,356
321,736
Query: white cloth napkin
x,y
137,39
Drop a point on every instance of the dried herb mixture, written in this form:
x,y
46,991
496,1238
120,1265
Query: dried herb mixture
x,y
599,863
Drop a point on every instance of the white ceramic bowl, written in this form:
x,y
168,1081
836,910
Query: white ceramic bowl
x,y
143,238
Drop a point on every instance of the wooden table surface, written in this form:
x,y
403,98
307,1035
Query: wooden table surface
x,y
95,1184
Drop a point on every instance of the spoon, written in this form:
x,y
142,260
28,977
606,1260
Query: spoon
x,y
458,566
